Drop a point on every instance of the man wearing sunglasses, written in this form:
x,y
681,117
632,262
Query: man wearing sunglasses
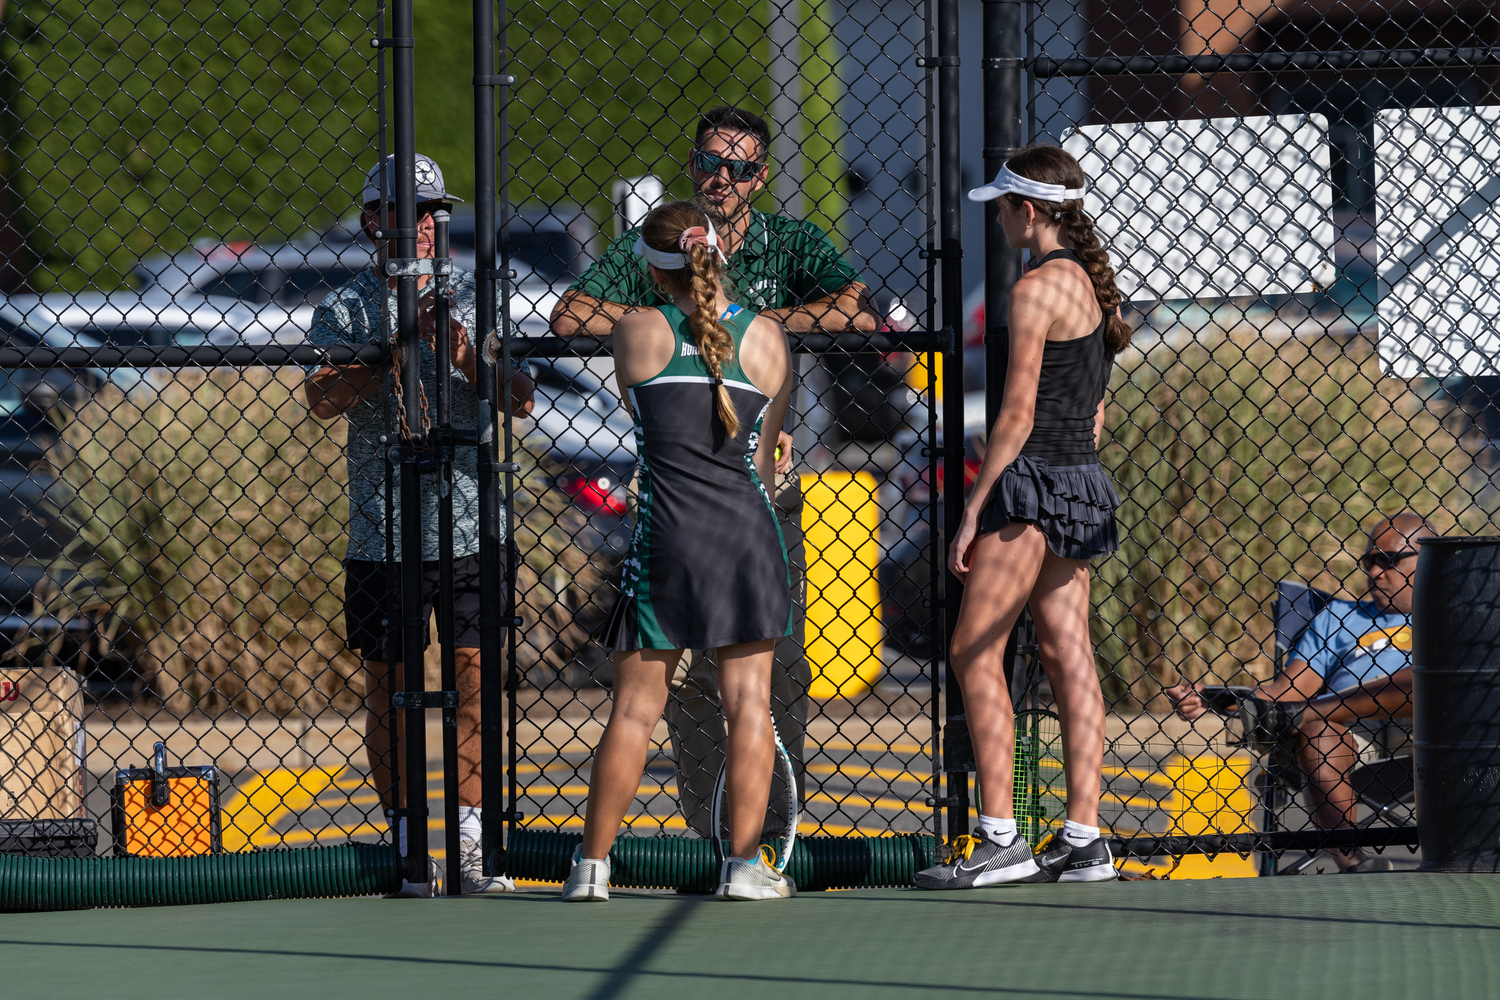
x,y
780,267
1353,663
353,315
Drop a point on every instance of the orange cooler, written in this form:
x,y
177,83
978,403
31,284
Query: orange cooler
x,y
166,812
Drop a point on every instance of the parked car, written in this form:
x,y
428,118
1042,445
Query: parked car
x,y
280,284
586,440
904,567
35,535
130,319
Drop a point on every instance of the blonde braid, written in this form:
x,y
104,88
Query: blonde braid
x,y
714,342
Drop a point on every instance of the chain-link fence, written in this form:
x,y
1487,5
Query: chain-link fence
x,y
1295,203
206,447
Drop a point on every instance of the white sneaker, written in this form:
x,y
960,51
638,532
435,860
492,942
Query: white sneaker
x,y
422,890
471,868
588,880
744,880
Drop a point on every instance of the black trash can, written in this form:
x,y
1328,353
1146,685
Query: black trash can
x,y
1456,702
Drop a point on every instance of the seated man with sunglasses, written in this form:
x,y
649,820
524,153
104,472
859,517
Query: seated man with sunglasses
x,y
1356,655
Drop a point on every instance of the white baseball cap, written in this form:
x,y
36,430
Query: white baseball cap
x,y
429,182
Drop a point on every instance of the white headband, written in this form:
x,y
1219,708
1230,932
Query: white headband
x,y
667,261
1006,182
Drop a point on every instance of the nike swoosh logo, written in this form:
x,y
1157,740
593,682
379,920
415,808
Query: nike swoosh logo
x,y
964,869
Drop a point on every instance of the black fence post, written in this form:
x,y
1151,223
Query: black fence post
x,y
958,750
493,599
1003,29
447,633
506,442
408,348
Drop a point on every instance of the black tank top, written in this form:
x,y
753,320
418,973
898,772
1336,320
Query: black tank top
x,y
1074,376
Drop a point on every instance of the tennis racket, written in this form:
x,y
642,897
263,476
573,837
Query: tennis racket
x,y
793,813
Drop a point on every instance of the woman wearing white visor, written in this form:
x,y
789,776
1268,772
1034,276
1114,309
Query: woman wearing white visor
x,y
1041,508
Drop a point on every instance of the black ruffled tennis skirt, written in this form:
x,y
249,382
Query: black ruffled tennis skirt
x,y
1073,505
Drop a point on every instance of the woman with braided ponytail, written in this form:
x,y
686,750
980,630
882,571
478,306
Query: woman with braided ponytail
x,y
707,383
1042,506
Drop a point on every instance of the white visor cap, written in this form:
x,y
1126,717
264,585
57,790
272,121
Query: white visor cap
x,y
1006,182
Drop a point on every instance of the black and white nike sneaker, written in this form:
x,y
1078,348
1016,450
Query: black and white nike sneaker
x,y
1060,861
978,861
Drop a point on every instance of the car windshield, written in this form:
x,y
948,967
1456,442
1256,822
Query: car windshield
x,y
293,288
11,399
548,253
242,284
308,286
143,336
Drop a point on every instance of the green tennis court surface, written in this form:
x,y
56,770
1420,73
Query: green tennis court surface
x,y
1391,935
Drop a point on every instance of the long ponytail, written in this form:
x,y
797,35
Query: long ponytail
x,y
701,279
1080,229
1051,165
713,340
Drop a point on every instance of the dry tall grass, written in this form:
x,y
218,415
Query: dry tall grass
x,y
1243,460
210,517
210,512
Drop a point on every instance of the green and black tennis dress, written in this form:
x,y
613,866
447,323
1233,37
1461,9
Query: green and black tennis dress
x,y
707,564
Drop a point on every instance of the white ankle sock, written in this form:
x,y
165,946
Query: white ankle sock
x,y
1079,835
469,825
999,831
401,835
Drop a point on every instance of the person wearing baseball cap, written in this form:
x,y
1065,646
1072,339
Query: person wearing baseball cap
x,y
429,183
360,312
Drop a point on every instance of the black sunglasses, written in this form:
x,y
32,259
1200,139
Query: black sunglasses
x,y
739,170
1383,559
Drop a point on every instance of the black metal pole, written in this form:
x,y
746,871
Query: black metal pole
x,y
403,78
1004,37
446,632
934,352
492,598
508,465
390,598
958,750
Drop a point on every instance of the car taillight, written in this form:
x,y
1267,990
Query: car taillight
x,y
595,493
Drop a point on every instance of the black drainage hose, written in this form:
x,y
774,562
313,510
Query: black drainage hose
x,y
688,863
305,873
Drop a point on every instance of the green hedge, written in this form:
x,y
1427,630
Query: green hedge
x,y
133,126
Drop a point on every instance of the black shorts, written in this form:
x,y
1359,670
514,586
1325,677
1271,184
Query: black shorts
x,y
368,601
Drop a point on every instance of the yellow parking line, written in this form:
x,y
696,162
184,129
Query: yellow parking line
x,y
1144,776
852,799
436,775
888,773
1132,800
259,804
309,836
876,747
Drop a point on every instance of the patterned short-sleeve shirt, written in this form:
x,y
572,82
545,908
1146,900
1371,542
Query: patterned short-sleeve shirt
x,y
351,316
